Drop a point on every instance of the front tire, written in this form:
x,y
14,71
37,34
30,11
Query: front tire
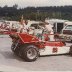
x,y
30,53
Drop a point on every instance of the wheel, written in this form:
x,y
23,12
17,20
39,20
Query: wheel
x,y
20,51
70,52
15,49
30,53
12,47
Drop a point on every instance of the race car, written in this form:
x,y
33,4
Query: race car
x,y
30,47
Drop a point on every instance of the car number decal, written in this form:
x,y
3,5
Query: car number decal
x,y
55,50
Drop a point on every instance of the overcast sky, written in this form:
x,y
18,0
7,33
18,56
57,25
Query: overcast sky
x,y
35,3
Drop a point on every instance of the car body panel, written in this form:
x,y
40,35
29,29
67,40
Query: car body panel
x,y
52,50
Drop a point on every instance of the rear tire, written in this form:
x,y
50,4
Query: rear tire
x,y
70,52
30,53
12,47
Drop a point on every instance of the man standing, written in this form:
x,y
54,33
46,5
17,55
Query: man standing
x,y
26,26
48,28
23,26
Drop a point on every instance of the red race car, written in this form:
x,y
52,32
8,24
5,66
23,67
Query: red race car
x,y
30,47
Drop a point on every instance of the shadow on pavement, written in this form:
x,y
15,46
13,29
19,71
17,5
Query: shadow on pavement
x,y
10,55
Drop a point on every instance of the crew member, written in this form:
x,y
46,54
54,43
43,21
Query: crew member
x,y
50,31
25,26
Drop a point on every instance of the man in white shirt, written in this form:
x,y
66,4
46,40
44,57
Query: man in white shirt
x,y
48,27
23,27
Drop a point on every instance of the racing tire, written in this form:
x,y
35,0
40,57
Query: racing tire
x,y
70,52
30,53
15,50
12,47
20,51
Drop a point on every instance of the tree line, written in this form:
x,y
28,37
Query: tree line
x,y
36,13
